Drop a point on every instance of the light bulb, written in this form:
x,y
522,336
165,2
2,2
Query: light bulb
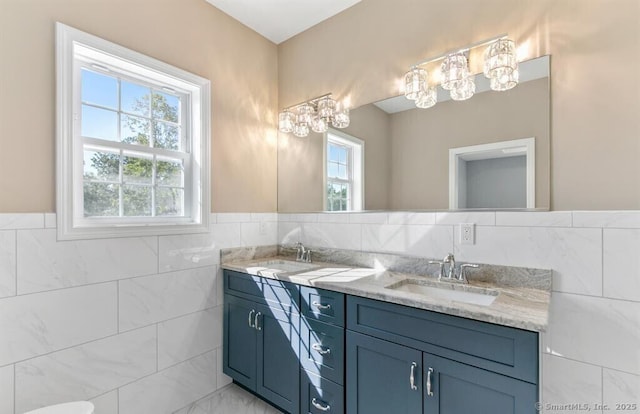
x,y
319,124
286,120
428,98
341,118
326,107
415,81
455,69
301,130
501,64
463,90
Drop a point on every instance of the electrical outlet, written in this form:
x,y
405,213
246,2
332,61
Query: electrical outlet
x,y
262,228
467,233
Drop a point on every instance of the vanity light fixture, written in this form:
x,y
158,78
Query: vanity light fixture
x,y
313,115
500,67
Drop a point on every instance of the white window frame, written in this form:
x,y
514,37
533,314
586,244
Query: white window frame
x,y
74,49
355,174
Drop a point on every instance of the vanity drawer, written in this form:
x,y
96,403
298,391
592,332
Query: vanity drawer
x,y
276,293
322,349
319,395
502,349
323,305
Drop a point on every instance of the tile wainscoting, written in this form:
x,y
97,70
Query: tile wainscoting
x,y
133,324
591,351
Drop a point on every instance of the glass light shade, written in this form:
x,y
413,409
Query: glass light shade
x,y
454,70
326,107
500,61
415,81
463,90
301,130
319,124
505,81
305,114
341,118
286,120
427,98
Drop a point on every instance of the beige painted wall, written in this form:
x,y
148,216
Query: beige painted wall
x,y
189,34
595,135
421,139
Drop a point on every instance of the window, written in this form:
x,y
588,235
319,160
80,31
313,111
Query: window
x,y
344,184
133,142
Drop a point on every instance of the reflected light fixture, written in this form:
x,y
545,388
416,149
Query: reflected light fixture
x,y
313,115
501,64
500,67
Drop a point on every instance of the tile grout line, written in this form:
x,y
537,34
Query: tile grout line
x,y
14,389
602,386
602,261
591,364
15,257
118,305
168,273
157,346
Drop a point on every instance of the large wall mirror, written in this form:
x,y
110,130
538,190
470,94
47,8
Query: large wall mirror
x,y
408,153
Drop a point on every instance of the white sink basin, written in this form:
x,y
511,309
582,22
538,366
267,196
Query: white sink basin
x,y
280,266
449,292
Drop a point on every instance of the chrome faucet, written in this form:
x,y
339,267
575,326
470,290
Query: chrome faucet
x,y
302,254
451,274
452,265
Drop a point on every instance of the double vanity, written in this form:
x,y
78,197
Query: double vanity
x,y
344,335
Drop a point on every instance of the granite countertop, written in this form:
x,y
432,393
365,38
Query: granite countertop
x,y
517,304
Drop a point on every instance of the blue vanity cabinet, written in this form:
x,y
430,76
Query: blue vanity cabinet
x,y
424,362
261,338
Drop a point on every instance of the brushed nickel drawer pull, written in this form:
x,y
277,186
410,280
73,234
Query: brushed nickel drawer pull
x,y
412,378
320,405
322,350
320,305
251,325
429,390
256,324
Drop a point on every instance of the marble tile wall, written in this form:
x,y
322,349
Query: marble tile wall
x,y
591,351
127,323
132,324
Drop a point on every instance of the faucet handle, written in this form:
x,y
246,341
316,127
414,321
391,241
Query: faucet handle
x,y
441,264
463,274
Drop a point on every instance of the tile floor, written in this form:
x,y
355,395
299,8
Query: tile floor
x,y
230,400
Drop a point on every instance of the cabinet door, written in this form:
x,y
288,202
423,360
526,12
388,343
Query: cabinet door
x,y
240,341
278,364
379,377
456,388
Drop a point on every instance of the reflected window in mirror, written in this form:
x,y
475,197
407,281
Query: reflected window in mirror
x,y
344,186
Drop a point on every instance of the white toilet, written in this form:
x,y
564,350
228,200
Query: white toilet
x,y
78,407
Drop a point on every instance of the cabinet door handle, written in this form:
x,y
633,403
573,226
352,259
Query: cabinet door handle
x,y
256,324
429,390
320,405
412,378
251,325
320,305
322,350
